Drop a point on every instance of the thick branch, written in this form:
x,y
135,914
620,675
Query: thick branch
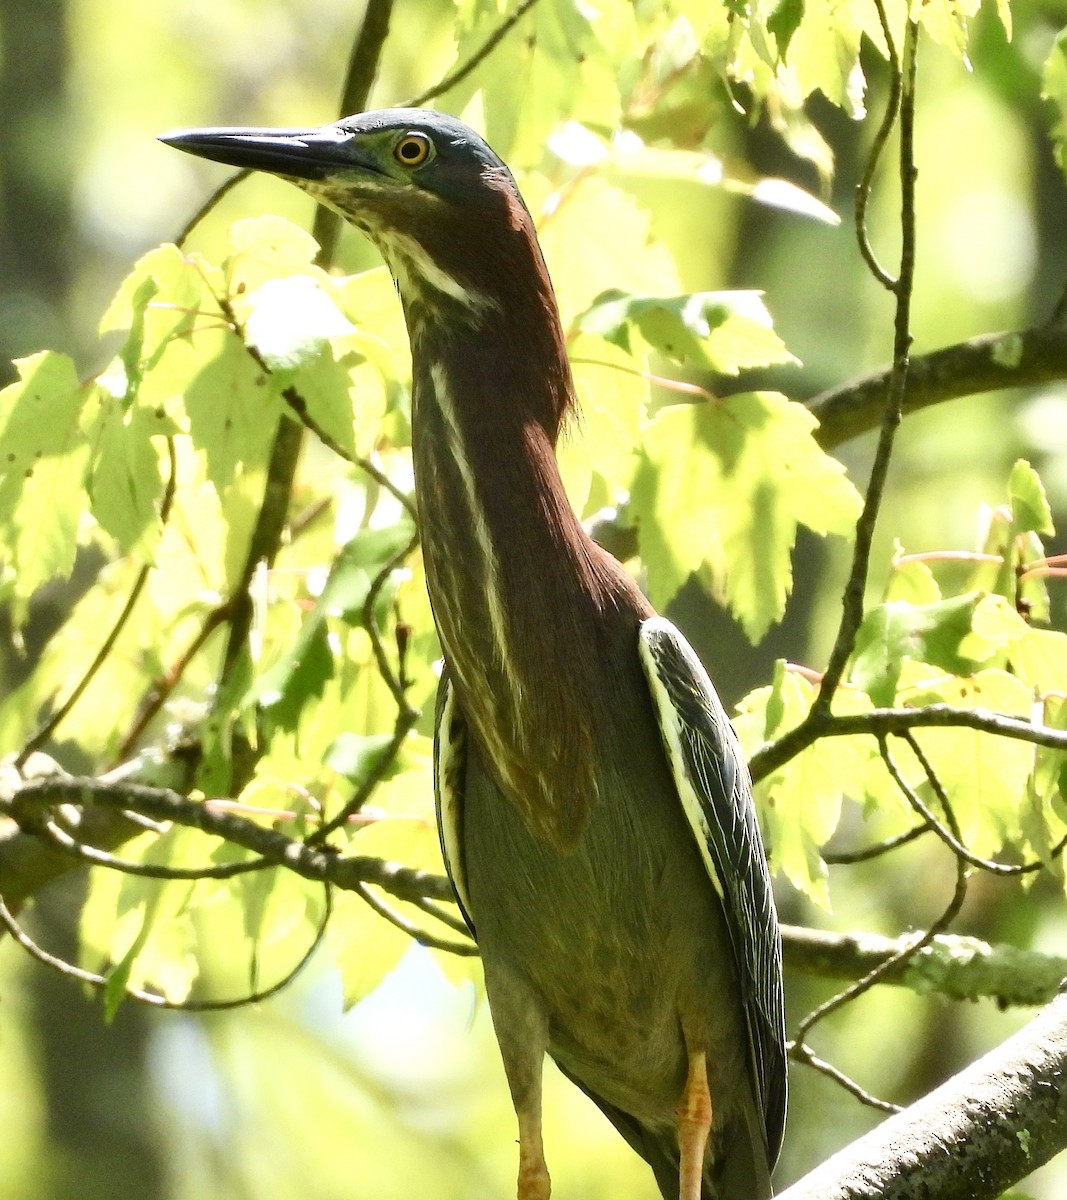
x,y
960,968
1023,358
970,1139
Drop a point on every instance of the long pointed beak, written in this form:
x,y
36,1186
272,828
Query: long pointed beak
x,y
298,153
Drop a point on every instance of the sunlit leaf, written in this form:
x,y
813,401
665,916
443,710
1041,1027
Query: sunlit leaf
x,y
957,634
291,319
233,409
357,756
1054,88
266,249
985,776
800,804
124,481
717,331
42,463
1029,505
724,485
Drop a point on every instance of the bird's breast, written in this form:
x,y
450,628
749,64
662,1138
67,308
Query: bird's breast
x,y
619,937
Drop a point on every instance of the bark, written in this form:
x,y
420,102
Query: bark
x,y
970,1139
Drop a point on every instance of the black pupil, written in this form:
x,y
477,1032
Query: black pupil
x,y
411,149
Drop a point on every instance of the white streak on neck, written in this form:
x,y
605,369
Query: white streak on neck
x,y
413,269
482,536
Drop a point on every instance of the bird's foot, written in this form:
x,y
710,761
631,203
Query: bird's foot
x,y
534,1183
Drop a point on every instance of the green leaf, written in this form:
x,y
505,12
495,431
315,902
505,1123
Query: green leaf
x,y
986,777
301,672
158,301
291,319
559,52
299,676
958,635
356,567
725,332
344,395
800,804
724,485
784,21
1039,658
233,408
264,249
42,463
124,480
364,946
597,454
1054,88
947,21
357,756
911,582
1029,505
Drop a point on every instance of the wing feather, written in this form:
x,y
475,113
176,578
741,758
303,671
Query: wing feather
x,y
449,774
714,789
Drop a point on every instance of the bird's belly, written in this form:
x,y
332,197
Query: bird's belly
x,y
621,941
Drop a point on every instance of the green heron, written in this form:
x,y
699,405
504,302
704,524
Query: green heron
x,y
595,811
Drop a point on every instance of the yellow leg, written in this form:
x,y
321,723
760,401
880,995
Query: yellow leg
x,y
694,1127
522,1034
534,1183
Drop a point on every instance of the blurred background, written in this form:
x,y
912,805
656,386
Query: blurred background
x,y
404,1095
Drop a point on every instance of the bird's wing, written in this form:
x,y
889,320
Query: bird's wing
x,y
714,788
449,777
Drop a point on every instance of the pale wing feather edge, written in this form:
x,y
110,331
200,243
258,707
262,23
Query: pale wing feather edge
x,y
714,789
449,774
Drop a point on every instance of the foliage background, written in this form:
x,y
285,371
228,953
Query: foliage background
x,y
291,1098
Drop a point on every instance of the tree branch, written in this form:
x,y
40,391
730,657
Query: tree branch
x,y
959,968
880,721
995,361
977,1134
29,803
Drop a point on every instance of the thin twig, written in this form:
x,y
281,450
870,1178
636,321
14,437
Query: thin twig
x,y
298,405
45,731
881,137
878,721
433,909
853,598
466,949
847,857
164,804
952,840
161,689
477,58
58,836
803,1053
799,1049
209,204
70,971
405,721
360,76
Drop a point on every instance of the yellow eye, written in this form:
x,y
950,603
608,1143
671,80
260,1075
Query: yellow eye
x,y
412,150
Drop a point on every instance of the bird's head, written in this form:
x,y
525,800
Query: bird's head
x,y
440,205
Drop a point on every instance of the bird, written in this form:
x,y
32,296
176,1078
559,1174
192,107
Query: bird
x,y
594,807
